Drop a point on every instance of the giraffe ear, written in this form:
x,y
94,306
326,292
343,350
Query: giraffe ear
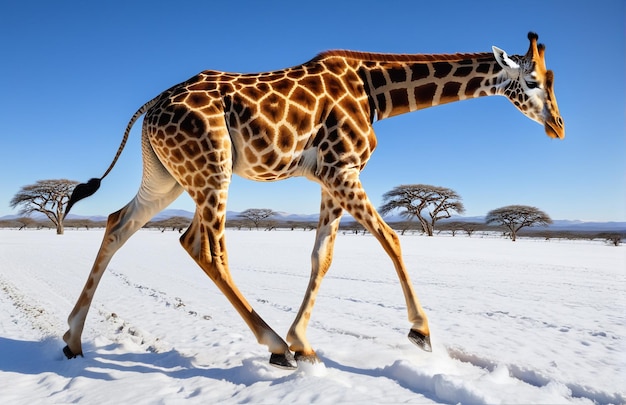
x,y
503,59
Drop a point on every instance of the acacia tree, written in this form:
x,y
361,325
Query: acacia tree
x,y
516,217
256,215
48,197
414,199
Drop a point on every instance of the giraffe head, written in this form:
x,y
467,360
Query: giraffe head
x,y
529,85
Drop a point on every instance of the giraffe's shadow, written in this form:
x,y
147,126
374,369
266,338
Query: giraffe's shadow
x,y
45,356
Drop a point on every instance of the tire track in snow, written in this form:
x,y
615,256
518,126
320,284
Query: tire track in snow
x,y
537,379
48,325
30,310
121,330
160,297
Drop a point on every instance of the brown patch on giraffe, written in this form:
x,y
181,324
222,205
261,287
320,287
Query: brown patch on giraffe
x,y
304,97
179,98
351,107
246,80
176,156
191,149
295,73
273,108
253,93
260,142
381,102
450,91
201,84
335,66
283,163
397,74
170,130
285,139
199,180
180,112
378,78
419,71
207,214
424,94
472,85
226,88
399,100
197,99
313,84
483,68
250,155
269,158
334,87
284,86
442,69
463,71
299,119
163,119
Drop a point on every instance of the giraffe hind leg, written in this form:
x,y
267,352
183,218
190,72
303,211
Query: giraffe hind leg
x,y
158,189
321,258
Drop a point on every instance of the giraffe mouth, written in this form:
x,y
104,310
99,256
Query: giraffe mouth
x,y
555,127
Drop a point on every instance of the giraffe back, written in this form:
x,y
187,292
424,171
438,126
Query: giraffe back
x,y
279,124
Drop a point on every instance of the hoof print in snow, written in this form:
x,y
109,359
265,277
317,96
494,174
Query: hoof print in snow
x,y
421,341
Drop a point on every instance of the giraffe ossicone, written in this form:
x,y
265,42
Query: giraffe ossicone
x,y
312,120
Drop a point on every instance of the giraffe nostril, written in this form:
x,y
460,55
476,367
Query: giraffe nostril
x,y
559,121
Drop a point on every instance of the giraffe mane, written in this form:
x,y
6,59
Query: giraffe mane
x,y
401,57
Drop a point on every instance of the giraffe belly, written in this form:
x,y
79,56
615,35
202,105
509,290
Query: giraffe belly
x,y
274,165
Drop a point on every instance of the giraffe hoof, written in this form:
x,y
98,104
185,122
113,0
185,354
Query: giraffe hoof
x,y
420,340
69,353
309,358
283,360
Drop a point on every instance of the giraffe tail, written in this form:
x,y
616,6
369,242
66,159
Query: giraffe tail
x,y
87,189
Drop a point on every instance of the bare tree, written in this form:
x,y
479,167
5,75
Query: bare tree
x,y
175,223
414,199
516,217
613,238
25,222
471,227
256,215
48,197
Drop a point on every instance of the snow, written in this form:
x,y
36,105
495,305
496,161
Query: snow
x,y
527,322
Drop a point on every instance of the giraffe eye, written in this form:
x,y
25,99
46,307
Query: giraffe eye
x,y
532,84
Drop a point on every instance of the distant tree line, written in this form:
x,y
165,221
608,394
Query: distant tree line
x,y
424,208
453,228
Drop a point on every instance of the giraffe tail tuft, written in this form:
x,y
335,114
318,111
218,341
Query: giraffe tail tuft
x,y
81,191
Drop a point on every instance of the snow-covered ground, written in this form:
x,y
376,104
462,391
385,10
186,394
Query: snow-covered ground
x,y
527,322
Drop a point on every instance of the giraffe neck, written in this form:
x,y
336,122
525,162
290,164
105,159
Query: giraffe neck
x,y
398,84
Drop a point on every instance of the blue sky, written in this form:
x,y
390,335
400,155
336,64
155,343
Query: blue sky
x,y
73,73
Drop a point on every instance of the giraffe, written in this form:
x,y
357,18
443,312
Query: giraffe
x,y
312,120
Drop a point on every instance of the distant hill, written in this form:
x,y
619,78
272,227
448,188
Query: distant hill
x,y
558,225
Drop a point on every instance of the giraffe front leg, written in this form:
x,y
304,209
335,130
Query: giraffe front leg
x,y
205,242
321,257
349,192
